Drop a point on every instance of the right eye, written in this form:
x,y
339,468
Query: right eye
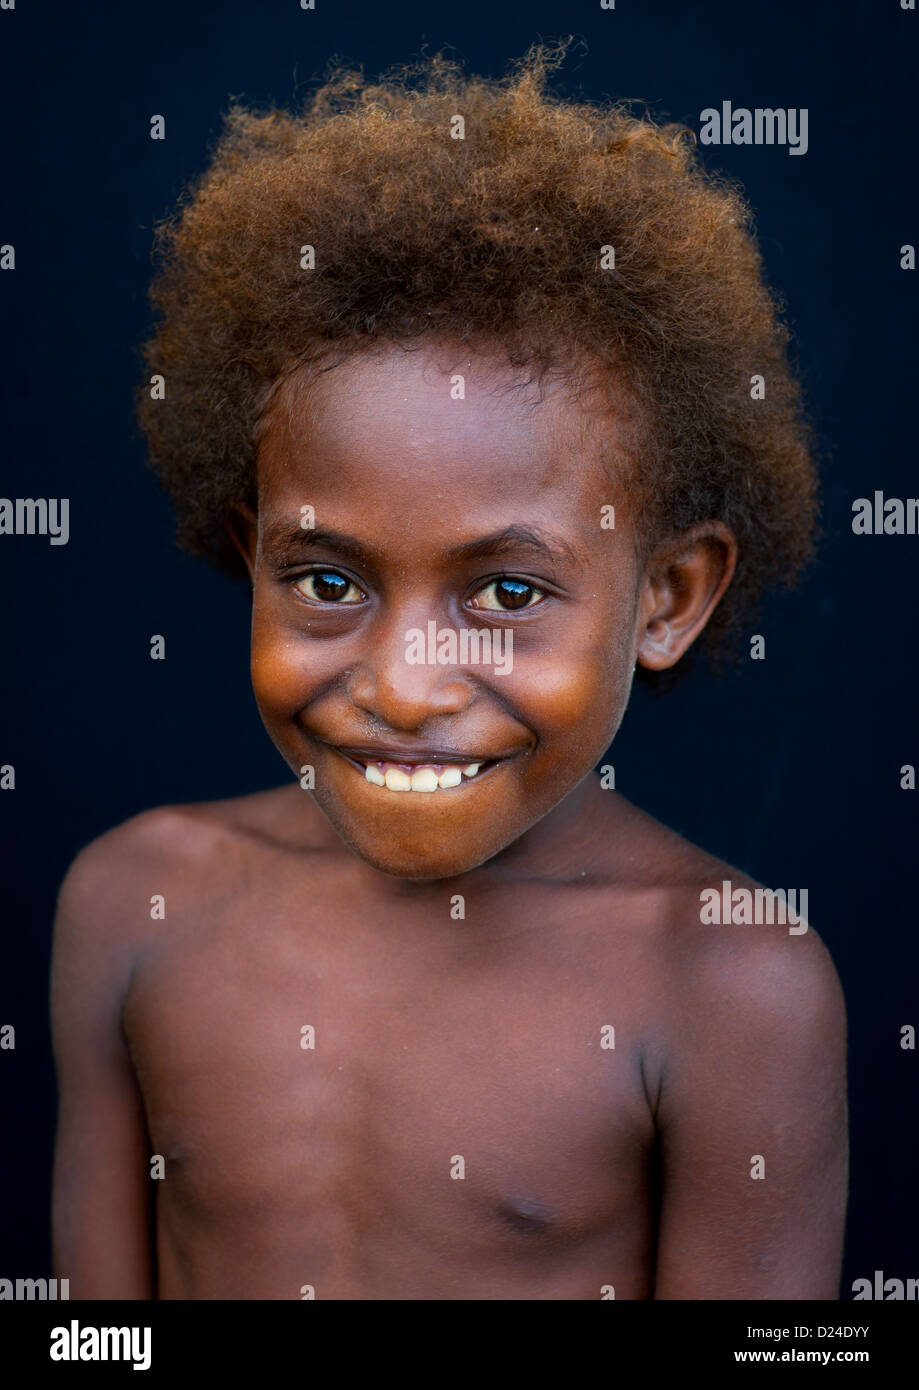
x,y
328,586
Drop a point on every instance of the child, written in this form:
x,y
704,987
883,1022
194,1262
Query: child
x,y
459,376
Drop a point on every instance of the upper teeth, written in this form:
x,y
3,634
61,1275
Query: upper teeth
x,y
423,779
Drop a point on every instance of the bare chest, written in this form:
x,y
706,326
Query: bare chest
x,y
354,1101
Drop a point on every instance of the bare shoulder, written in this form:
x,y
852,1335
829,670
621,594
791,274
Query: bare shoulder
x,y
731,955
743,1035
750,956
175,845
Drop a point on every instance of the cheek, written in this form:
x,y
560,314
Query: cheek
x,y
279,678
578,689
566,694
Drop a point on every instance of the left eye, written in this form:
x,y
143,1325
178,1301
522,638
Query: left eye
x,y
506,595
328,586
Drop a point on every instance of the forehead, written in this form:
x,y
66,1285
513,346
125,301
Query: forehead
x,y
439,422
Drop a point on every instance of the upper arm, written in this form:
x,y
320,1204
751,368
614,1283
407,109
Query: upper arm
x,y
754,1083
101,1222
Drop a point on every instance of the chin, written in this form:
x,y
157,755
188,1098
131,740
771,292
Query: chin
x,y
426,873
420,867
407,859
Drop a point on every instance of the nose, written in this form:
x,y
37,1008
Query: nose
x,y
402,693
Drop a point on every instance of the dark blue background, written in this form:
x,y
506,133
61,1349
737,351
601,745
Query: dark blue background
x,y
789,771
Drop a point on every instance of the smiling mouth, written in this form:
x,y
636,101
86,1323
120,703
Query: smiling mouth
x,y
429,776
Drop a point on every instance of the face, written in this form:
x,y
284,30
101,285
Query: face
x,y
445,627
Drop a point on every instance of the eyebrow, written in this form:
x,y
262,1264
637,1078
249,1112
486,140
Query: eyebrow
x,y
539,544
283,536
517,538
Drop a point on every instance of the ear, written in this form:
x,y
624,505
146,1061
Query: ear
x,y
242,528
684,579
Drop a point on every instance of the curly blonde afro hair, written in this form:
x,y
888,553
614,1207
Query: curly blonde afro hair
x,y
496,235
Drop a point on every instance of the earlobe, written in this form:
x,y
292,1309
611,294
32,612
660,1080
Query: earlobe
x,y
686,578
242,529
655,648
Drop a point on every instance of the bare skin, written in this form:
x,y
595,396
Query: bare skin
x,y
461,1128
